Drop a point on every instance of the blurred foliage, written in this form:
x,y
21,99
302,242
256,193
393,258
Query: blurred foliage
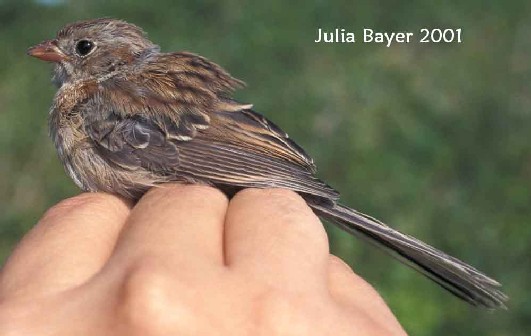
x,y
432,138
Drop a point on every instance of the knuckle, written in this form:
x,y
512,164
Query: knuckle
x,y
147,303
278,195
197,193
337,265
282,202
93,203
143,295
287,210
13,320
277,312
301,223
7,323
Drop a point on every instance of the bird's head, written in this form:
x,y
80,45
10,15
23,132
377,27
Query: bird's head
x,y
93,49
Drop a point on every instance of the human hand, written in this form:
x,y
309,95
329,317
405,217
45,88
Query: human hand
x,y
185,261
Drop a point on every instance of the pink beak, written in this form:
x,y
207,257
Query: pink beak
x,y
47,51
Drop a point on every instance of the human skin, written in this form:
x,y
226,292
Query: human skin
x,y
185,261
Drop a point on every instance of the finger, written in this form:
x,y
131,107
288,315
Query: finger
x,y
275,236
351,291
71,242
176,223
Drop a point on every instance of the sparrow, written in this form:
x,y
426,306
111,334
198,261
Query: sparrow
x,y
127,117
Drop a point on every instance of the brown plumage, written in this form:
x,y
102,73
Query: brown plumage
x,y
127,117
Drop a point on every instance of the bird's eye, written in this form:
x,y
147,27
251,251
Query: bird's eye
x,y
84,47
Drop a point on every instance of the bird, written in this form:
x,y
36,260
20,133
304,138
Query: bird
x,y
127,117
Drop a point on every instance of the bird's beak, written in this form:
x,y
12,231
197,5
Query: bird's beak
x,y
47,51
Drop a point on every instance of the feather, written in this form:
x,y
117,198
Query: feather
x,y
459,278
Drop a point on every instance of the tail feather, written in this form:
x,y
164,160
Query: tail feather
x,y
452,274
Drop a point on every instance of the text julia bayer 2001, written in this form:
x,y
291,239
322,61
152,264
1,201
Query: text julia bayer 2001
x,y
425,35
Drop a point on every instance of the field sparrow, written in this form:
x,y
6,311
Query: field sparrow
x,y
127,117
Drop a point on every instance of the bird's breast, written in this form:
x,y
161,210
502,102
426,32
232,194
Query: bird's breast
x,y
85,164
72,147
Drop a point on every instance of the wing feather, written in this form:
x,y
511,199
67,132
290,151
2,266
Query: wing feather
x,y
176,122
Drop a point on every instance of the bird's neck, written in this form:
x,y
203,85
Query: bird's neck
x,y
71,94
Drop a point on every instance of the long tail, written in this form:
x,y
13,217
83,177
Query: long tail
x,y
454,275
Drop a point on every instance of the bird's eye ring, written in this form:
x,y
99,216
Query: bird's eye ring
x,y
84,47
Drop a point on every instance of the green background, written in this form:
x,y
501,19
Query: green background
x,y
432,138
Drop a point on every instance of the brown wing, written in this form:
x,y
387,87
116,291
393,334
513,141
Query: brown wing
x,y
242,148
138,143
175,121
